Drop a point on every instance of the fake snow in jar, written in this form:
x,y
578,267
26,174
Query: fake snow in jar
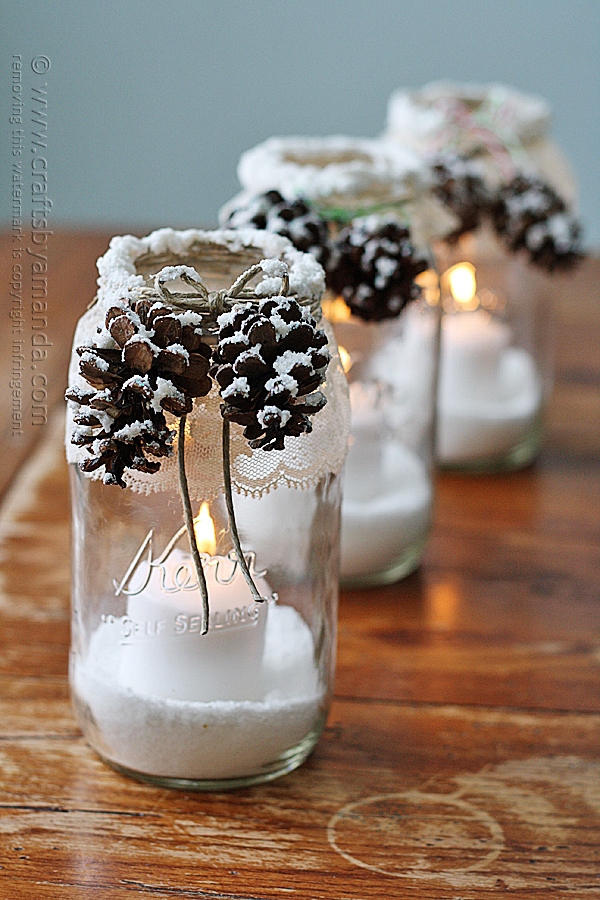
x,y
360,207
207,426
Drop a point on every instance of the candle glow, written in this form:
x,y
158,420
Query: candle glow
x,y
336,309
345,359
463,285
204,529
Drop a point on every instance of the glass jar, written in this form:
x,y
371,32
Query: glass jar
x,y
157,699
388,494
496,359
157,695
361,206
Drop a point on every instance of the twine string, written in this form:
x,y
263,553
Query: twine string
x,y
483,124
189,524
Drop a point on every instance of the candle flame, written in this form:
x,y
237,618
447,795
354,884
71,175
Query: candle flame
x,y
463,285
429,283
336,309
345,359
204,529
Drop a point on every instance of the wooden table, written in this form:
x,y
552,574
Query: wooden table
x,y
461,758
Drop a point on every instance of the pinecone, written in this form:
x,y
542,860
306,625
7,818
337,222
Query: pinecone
x,y
269,362
373,267
295,220
458,184
158,363
528,214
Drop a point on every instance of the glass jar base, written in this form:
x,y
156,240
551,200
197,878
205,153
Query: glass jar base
x,y
404,566
288,761
520,456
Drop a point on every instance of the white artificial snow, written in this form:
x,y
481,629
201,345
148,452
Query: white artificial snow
x,y
179,350
164,389
142,339
557,227
238,386
282,383
238,338
286,362
268,287
172,273
385,269
321,168
133,430
529,201
205,740
136,381
274,268
189,318
269,411
282,327
96,361
252,353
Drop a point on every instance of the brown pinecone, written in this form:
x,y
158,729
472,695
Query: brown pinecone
x,y
529,215
459,185
269,361
159,363
373,267
295,220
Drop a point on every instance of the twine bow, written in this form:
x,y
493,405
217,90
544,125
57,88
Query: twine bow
x,y
215,303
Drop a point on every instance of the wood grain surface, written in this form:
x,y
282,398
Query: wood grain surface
x,y
461,758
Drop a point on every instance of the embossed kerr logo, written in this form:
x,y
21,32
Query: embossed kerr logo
x,y
158,578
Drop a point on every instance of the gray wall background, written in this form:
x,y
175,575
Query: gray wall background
x,y
151,103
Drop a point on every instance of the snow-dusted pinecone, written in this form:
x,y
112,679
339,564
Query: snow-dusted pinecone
x,y
459,185
269,362
373,267
528,214
294,219
157,362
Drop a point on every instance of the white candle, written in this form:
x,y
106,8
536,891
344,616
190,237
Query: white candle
x,y
489,393
163,652
387,501
473,344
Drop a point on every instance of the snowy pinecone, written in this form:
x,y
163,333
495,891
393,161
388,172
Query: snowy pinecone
x,y
151,360
294,219
269,362
373,267
457,182
528,214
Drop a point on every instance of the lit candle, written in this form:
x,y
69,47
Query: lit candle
x,y
473,346
163,652
387,492
489,392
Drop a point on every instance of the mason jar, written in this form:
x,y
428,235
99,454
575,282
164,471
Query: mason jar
x,y
496,355
387,505
162,693
495,165
314,190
